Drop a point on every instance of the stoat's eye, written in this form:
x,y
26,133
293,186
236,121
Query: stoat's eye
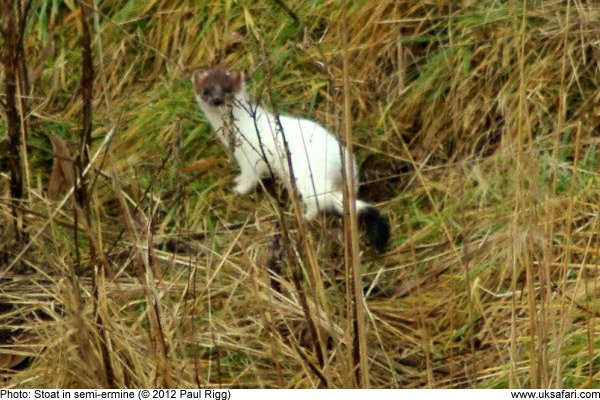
x,y
205,92
227,89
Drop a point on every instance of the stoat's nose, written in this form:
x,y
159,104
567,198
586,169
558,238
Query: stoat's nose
x,y
217,101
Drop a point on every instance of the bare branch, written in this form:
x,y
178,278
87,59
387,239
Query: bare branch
x,y
10,62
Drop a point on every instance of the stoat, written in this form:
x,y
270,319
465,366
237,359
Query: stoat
x,y
256,139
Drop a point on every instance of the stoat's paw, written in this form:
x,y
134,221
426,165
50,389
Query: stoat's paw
x,y
243,185
241,189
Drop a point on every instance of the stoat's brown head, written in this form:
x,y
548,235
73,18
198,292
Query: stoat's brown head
x,y
218,85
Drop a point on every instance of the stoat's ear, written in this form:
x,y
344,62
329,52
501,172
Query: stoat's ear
x,y
235,75
199,76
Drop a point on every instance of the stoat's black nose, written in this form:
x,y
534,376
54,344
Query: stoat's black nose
x,y
217,101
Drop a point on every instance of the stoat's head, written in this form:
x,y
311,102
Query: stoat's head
x,y
216,86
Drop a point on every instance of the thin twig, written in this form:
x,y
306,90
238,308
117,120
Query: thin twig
x,y
351,250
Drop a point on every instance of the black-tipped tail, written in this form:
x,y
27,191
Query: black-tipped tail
x,y
376,226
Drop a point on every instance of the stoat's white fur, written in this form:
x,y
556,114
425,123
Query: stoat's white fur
x,y
258,140
259,149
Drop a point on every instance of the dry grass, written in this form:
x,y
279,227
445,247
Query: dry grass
x,y
477,124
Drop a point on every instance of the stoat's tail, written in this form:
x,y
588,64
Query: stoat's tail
x,y
375,225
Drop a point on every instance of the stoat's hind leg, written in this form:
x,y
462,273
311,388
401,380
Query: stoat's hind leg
x,y
311,209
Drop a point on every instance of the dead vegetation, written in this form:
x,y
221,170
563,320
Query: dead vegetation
x,y
478,127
